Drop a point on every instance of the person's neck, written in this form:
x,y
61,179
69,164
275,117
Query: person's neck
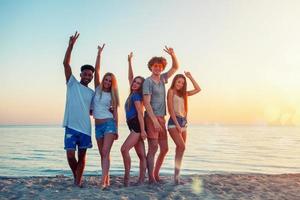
x,y
86,85
155,77
106,89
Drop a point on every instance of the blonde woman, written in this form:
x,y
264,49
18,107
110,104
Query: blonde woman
x,y
105,113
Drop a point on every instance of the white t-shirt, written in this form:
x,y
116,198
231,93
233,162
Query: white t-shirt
x,y
101,104
78,105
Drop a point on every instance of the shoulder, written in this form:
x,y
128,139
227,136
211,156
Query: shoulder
x,y
164,77
136,96
148,80
72,80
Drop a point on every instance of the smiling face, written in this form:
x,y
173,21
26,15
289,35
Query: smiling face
x,y
179,83
157,68
86,77
136,84
107,82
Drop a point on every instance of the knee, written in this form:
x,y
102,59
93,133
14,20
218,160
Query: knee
x,y
141,156
124,150
180,148
104,153
153,149
70,155
81,160
164,150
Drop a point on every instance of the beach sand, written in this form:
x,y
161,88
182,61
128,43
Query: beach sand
x,y
215,186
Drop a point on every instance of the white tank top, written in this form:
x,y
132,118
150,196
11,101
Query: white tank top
x,y
178,104
101,104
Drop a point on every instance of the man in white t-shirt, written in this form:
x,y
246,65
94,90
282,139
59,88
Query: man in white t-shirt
x,y
77,121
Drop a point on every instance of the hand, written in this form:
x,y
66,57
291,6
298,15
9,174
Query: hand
x,y
188,74
179,129
157,126
73,38
130,56
170,51
100,49
143,135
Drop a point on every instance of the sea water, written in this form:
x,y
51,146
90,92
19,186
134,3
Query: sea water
x,y
39,151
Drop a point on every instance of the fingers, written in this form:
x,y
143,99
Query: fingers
x,y
101,48
76,36
166,49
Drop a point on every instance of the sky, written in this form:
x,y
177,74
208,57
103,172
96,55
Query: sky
x,y
243,54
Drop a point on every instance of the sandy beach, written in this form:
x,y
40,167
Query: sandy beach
x,y
215,186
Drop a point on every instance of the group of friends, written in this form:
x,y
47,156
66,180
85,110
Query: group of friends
x,y
145,94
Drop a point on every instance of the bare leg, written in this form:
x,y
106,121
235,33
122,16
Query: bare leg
x,y
163,144
152,149
72,162
105,152
100,146
179,140
80,166
131,140
141,153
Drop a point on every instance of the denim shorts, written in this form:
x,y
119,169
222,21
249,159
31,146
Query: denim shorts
x,y
107,127
181,121
75,138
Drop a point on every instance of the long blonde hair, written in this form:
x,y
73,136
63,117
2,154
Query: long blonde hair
x,y
113,89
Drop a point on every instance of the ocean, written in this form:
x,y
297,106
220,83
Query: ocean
x,y
38,151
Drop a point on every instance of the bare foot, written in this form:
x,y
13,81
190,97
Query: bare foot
x,y
126,181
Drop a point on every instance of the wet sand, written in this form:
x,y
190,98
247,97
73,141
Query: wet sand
x,y
215,186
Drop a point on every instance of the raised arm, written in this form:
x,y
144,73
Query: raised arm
x,y
68,70
171,109
175,64
195,84
97,66
130,72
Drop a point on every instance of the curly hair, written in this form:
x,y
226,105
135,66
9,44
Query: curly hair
x,y
160,60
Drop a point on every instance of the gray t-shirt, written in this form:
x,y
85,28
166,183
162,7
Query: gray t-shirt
x,y
158,94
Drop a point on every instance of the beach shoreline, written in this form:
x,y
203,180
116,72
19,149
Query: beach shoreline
x,y
211,186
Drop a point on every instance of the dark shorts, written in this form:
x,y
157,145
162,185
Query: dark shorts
x,y
134,125
75,138
181,121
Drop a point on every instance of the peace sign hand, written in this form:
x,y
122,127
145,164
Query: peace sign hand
x,y
73,38
100,49
169,50
130,56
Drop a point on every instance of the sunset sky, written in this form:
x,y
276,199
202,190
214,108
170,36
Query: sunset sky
x,y
244,54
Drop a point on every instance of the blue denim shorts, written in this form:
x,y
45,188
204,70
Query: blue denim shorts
x,y
104,128
75,138
181,120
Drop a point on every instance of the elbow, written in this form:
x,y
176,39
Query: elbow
x,y
65,63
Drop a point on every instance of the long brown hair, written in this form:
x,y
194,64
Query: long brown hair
x,y
113,89
182,92
140,91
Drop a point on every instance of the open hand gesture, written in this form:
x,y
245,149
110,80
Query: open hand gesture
x,y
100,49
188,74
130,56
73,38
169,50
